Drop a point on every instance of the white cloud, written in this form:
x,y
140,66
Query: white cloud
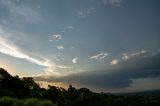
x,y
55,37
86,13
143,51
99,56
60,47
67,28
138,53
74,60
10,49
115,3
114,62
7,47
135,54
64,67
125,56
49,66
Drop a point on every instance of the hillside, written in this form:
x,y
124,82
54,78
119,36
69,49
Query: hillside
x,y
25,92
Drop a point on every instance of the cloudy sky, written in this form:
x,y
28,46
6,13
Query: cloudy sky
x,y
104,45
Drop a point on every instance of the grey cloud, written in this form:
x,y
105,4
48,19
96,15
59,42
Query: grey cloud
x,y
117,76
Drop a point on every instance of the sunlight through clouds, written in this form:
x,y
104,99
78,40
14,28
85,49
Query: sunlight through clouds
x,y
50,68
10,49
107,39
114,62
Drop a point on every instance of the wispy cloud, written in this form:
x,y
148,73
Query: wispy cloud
x,y
67,29
86,12
7,47
55,37
143,51
64,67
7,33
99,56
115,3
126,56
74,60
57,58
23,12
10,49
60,47
50,66
114,62
58,36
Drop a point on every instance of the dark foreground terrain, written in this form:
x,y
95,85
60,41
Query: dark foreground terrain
x,y
25,92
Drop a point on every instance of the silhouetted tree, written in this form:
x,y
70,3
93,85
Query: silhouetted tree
x,y
13,86
4,74
32,89
72,93
54,94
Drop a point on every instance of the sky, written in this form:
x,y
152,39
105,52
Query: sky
x,y
103,45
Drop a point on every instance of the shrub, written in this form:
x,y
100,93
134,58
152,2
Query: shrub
x,y
6,101
36,102
47,103
31,102
18,102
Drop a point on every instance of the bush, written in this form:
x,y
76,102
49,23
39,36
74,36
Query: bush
x,y
18,102
47,103
31,102
6,101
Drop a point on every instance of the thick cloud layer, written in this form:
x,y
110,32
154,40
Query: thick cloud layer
x,y
119,76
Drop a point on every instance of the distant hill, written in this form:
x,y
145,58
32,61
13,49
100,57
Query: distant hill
x,y
141,93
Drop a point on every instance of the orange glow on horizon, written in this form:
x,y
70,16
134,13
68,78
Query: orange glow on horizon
x,y
44,84
12,69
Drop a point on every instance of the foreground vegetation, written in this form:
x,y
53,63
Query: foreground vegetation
x,y
25,92
8,101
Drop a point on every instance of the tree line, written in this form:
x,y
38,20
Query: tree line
x,y
15,91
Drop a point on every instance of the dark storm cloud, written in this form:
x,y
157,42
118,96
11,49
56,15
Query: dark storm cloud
x,y
118,76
